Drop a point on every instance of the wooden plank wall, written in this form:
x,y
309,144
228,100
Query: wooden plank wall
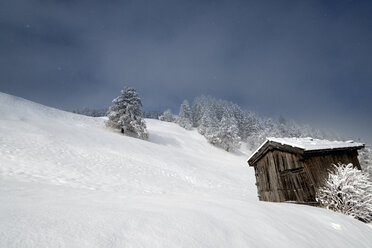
x,y
269,180
318,166
283,176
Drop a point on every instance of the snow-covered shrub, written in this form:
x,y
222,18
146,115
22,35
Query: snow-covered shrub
x,y
365,158
348,191
184,118
125,114
167,116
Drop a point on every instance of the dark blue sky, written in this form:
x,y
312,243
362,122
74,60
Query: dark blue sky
x,y
310,61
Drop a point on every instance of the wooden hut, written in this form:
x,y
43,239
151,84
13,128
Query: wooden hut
x,y
291,169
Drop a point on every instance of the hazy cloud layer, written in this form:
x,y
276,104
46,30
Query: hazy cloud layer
x,y
307,60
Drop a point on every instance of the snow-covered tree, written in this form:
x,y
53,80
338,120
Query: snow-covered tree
x,y
184,118
199,107
125,114
226,135
167,116
208,123
185,111
348,191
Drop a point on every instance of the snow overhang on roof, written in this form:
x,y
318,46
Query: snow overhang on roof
x,y
302,145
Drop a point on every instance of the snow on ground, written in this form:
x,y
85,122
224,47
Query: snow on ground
x,y
67,181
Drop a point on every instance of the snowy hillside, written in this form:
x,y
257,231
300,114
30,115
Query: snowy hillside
x,y
67,181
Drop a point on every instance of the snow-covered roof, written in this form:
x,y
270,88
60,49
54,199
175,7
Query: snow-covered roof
x,y
307,144
310,144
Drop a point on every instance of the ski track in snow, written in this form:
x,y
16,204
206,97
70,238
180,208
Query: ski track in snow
x,y
67,181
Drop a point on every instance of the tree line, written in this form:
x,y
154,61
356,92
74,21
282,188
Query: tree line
x,y
226,125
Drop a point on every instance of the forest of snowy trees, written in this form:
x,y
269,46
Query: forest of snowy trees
x,y
226,125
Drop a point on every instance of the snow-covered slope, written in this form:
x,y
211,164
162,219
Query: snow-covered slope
x,y
67,181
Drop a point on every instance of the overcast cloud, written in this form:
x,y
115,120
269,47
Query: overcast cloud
x,y
310,61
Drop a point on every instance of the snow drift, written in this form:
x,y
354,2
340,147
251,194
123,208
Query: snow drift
x,y
67,181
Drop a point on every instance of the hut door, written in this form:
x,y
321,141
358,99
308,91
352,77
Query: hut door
x,y
297,185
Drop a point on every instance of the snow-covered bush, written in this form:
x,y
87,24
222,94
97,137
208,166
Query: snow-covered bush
x,y
167,116
348,191
365,158
125,114
184,118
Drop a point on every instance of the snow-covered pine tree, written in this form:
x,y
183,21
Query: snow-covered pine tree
x,y
348,191
125,114
167,116
208,122
184,117
209,127
185,111
226,136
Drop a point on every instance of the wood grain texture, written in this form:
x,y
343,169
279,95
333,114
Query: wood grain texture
x,y
291,176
